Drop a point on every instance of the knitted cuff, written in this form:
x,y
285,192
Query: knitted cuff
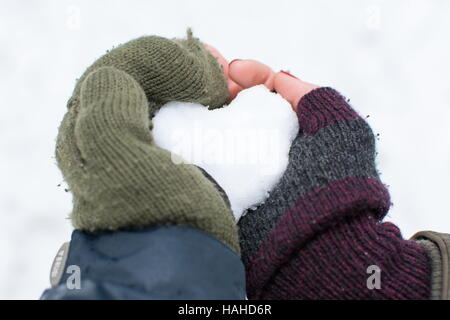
x,y
323,107
311,214
168,70
339,262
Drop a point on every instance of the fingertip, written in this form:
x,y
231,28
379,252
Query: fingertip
x,y
236,69
249,73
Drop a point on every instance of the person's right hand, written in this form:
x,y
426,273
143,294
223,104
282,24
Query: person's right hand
x,y
330,176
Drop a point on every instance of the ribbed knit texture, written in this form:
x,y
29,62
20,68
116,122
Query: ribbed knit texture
x,y
168,70
436,268
319,230
118,177
333,265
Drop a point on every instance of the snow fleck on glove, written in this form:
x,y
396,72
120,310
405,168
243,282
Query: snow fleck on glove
x,y
118,177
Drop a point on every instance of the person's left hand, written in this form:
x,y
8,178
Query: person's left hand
x,y
118,176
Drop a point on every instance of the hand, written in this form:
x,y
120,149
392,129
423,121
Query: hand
x,y
249,73
118,177
168,70
243,74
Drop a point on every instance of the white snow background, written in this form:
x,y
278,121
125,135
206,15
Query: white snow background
x,y
391,58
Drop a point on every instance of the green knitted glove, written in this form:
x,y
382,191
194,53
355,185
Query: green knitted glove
x,y
118,177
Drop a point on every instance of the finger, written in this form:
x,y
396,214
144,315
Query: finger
x,y
220,58
291,88
233,89
249,73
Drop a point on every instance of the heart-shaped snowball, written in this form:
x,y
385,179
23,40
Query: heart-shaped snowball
x,y
243,146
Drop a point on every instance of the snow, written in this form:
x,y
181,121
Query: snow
x,y
243,146
390,57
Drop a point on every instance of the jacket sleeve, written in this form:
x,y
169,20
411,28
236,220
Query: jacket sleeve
x,y
323,232
154,263
437,247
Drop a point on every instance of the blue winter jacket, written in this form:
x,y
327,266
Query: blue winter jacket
x,y
154,263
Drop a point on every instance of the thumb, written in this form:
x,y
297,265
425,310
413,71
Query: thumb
x,y
249,73
291,88
113,112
